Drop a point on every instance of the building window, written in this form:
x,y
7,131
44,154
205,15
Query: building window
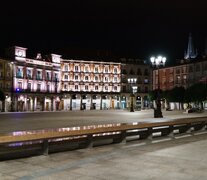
x,y
19,73
106,79
39,75
66,67
106,88
65,86
96,88
131,72
38,87
146,89
177,79
76,87
86,78
76,77
96,69
48,87
47,76
20,85
106,69
29,86
29,73
76,68
56,77
146,72
124,89
139,72
177,71
86,69
115,88
115,70
96,78
86,87
115,79
138,89
146,81
66,77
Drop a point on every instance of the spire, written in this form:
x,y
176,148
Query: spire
x,y
190,54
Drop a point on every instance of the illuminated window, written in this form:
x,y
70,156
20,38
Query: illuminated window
x,y
76,77
86,78
39,75
106,69
19,73
66,77
76,68
66,67
29,73
96,69
86,69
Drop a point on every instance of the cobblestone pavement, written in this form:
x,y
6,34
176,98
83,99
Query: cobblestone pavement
x,y
181,159
44,120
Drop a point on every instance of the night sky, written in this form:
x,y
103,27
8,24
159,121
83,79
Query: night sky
x,y
130,28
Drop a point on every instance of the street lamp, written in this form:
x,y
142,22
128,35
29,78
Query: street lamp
x,y
157,63
132,81
12,88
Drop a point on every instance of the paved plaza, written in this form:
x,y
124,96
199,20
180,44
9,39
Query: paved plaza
x,y
182,158
46,120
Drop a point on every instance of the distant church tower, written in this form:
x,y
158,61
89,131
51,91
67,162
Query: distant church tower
x,y
191,53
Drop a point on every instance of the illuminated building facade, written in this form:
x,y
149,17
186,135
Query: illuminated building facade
x,y
88,85
35,82
51,83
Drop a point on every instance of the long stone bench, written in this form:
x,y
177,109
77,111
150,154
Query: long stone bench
x,y
89,134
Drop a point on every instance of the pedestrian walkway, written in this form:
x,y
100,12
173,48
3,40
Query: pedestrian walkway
x,y
183,158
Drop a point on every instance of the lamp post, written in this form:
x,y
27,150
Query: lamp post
x,y
12,88
157,63
132,81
